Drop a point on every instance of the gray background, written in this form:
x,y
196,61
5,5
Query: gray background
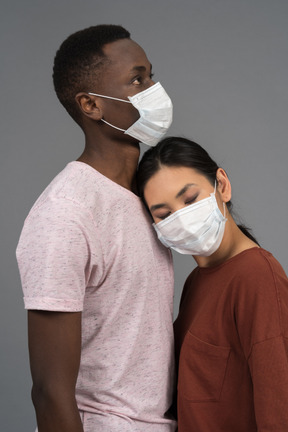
x,y
224,64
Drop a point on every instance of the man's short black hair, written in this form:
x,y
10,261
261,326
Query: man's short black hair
x,y
79,60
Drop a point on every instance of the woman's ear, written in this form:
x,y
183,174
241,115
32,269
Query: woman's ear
x,y
89,105
223,185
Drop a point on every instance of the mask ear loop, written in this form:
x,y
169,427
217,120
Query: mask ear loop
x,y
115,127
224,209
109,97
224,206
113,98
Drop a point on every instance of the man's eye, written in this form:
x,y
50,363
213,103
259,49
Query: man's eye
x,y
137,80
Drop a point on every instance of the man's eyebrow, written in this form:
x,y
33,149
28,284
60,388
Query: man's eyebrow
x,y
141,68
184,189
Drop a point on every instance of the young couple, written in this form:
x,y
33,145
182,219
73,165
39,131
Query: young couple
x,y
98,284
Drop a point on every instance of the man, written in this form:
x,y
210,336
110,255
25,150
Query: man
x,y
97,285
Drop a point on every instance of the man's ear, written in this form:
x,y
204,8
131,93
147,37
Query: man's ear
x,y
89,105
223,185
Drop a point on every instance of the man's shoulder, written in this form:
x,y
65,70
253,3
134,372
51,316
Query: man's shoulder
x,y
81,191
73,187
73,182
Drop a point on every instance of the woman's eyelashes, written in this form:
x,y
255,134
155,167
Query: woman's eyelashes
x,y
164,216
191,200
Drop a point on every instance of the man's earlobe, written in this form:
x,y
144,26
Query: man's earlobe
x,y
89,106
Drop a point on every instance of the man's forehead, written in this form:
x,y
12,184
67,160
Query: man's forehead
x,y
124,50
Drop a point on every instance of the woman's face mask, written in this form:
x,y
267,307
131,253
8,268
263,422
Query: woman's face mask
x,y
185,210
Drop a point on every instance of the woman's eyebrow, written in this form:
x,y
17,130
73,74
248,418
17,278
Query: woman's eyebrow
x,y
156,207
181,192
184,189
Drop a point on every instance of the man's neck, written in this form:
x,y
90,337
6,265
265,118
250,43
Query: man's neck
x,y
117,161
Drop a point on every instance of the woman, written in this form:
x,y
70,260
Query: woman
x,y
231,333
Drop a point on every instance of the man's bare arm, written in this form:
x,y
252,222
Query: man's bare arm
x,y
55,350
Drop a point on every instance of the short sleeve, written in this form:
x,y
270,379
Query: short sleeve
x,y
259,304
268,364
262,327
55,256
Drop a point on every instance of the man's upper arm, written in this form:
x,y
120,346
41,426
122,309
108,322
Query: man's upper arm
x,y
55,257
55,261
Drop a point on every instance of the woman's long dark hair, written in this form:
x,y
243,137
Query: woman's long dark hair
x,y
180,152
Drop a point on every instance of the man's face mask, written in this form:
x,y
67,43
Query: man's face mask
x,y
156,113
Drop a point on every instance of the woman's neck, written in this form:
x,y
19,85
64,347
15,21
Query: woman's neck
x,y
234,242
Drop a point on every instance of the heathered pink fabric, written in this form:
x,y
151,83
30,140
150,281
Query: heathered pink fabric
x,y
87,245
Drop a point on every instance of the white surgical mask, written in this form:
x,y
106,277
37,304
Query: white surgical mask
x,y
156,113
196,229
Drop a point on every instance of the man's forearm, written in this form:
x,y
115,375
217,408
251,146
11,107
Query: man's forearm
x,y
55,351
55,414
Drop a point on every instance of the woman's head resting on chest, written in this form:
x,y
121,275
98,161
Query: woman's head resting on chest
x,y
189,197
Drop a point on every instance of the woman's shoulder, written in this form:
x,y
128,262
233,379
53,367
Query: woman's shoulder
x,y
252,262
251,271
260,294
257,262
257,274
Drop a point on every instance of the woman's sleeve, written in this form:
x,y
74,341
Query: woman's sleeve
x,y
262,322
269,370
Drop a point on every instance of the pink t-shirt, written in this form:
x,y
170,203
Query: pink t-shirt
x,y
88,245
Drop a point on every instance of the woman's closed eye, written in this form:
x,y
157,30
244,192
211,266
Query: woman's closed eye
x,y
191,200
163,213
162,216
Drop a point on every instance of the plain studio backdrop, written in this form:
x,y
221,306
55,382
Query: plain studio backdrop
x,y
223,62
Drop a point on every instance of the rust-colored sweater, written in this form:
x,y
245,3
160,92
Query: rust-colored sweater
x,y
232,347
